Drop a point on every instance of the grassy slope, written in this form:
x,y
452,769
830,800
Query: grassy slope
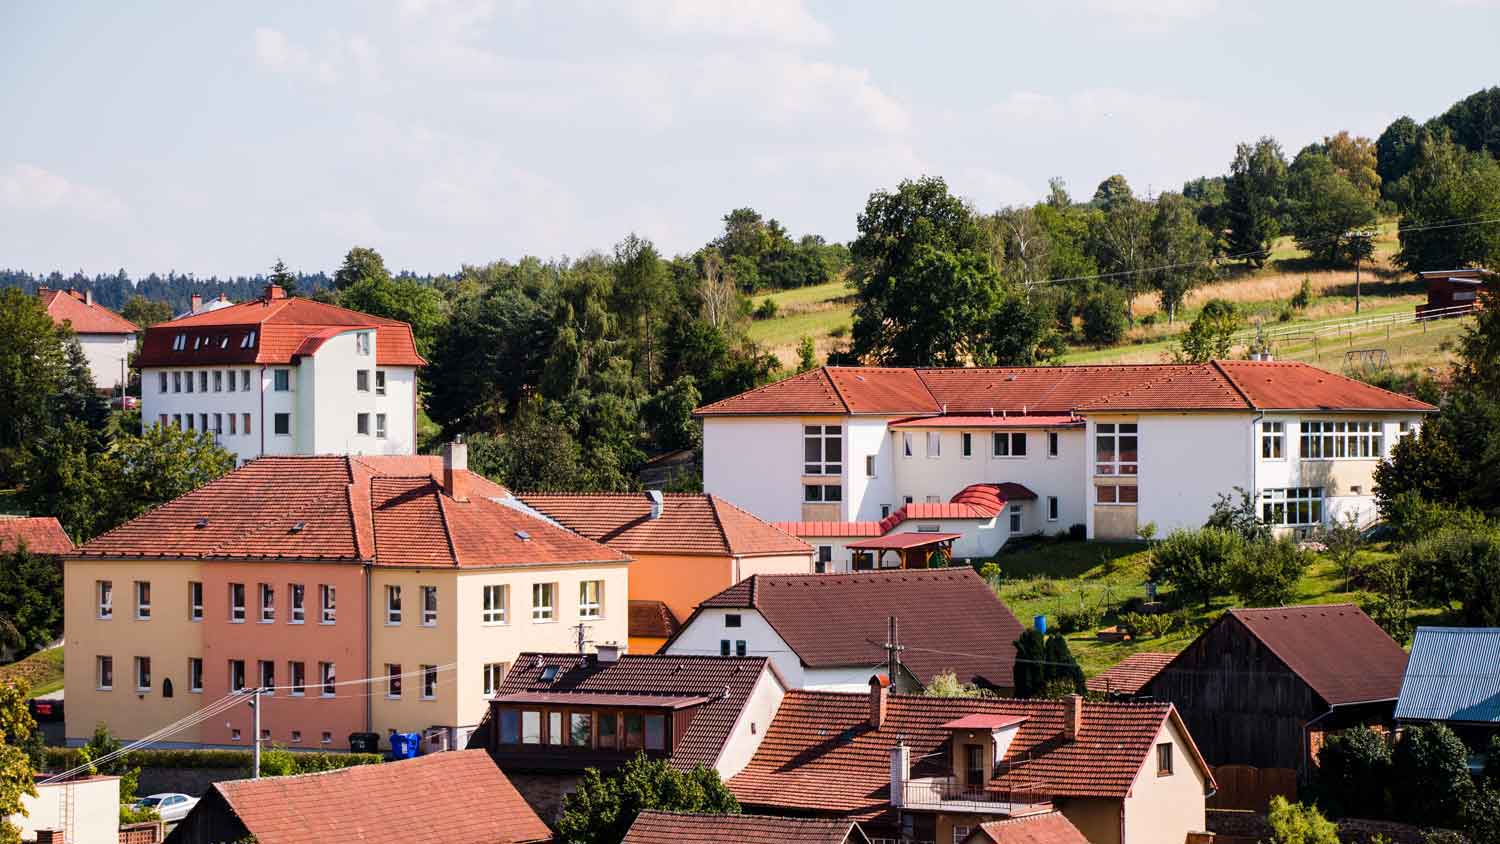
x,y
1051,577
42,670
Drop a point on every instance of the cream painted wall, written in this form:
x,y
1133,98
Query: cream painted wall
x,y
106,355
1164,809
411,644
745,737
95,809
169,638
774,564
1097,819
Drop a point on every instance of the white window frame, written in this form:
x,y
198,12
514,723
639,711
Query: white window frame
x,y
429,606
496,603
1272,440
1115,433
296,672
494,676
1003,445
142,671
195,600
1054,444
591,608
393,681
161,382
869,465
380,382
380,426
104,593
142,589
822,495
245,373
236,603
1054,508
825,436
967,450
265,674
195,675
934,445
906,448
297,601
266,594
327,678
361,380
276,418
392,604
543,612
1293,506
429,682
327,603
1341,439
362,424
218,381
1017,518
362,343
104,673
281,380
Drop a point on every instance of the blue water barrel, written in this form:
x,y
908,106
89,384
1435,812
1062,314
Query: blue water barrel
x,y
1040,622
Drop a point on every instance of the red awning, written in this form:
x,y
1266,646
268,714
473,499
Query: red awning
x,y
903,541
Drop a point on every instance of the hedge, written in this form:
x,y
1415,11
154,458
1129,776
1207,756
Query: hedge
x,y
67,758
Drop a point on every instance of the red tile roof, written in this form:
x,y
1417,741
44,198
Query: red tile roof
x,y
1335,648
674,828
68,306
830,620
652,620
1056,392
39,534
987,421
829,530
975,501
370,509
689,524
903,541
1130,674
456,798
821,754
1045,828
726,681
284,329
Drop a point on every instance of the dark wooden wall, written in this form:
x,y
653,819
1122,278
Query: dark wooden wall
x,y
210,822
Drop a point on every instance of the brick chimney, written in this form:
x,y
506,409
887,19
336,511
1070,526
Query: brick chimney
x,y
274,291
50,836
900,773
1072,717
195,303
879,697
456,470
88,296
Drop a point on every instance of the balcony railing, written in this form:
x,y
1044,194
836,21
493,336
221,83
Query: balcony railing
x,y
946,794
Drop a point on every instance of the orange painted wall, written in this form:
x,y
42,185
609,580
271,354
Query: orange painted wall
x,y
342,643
646,644
679,581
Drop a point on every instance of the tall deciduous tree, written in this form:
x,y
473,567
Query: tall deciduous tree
x,y
406,299
1449,184
17,770
360,263
1255,195
146,312
30,600
33,366
1181,251
1120,241
603,807
1330,214
1395,151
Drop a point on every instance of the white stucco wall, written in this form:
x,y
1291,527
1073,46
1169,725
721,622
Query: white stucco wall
x,y
744,739
866,437
1185,460
155,402
703,635
95,811
1164,809
107,355
756,462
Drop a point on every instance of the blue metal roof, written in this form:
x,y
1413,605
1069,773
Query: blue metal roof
x,y
1453,675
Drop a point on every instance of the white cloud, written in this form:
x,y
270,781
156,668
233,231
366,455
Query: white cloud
x,y
789,91
29,188
329,65
1152,16
781,21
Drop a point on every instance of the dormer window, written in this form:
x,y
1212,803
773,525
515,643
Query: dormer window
x,y
362,343
224,342
248,341
179,343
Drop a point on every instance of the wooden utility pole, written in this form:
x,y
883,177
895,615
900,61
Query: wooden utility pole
x,y
893,649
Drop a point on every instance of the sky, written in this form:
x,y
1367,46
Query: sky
x,y
215,138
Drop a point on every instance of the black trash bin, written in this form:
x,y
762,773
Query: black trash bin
x,y
364,742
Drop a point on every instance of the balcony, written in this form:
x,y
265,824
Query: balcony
x,y
947,794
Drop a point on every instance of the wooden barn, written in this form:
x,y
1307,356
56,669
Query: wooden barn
x,y
1449,292
1262,687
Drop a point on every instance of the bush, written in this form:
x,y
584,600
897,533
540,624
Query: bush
x,y
65,758
1104,317
839,331
1147,625
1196,562
1412,517
1459,564
1265,574
1076,621
1304,295
1149,319
766,309
990,572
1354,770
1430,770
1078,533
1296,823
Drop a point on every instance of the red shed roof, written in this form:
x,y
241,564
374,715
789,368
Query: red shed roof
x,y
652,827
1044,828
652,620
690,523
457,798
1130,674
68,306
903,541
40,535
1335,648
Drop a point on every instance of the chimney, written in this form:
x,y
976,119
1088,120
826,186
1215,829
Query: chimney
x,y
88,296
43,290
1072,717
274,291
50,836
456,470
879,697
195,303
900,773
608,652
658,503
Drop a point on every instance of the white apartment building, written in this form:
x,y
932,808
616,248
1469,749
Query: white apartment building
x,y
282,375
106,337
840,455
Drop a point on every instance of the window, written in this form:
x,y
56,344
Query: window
x,y
429,682
393,679
724,647
234,734
1342,440
281,380
934,444
245,422
298,670
282,424
1009,444
393,604
299,596
591,599
248,341
1297,506
581,729
162,420
104,673
218,423
494,675
236,674
885,510
609,731
825,556
326,604
179,343
1115,448
531,727
974,773
203,421
326,678
869,465
105,590
190,425
822,450
234,427
429,606
362,343
555,728
1406,429
543,597
961,833
218,381
496,602
187,382
739,647
1117,494
142,674
267,603
228,380
1052,508
267,674
656,732
245,373
968,441
379,382
177,419
362,380
510,726
380,426
143,600
203,381
1164,759
195,601
237,602
161,382
1052,446
362,424
1015,518
176,382
825,493
296,736
732,619
195,674
1272,441
905,444
327,737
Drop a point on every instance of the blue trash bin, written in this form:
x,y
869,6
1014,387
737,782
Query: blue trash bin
x,y
1040,622
404,745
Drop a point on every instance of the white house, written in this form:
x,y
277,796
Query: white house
x,y
831,452
106,337
85,810
282,375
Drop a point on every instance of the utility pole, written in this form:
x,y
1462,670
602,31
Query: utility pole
x,y
582,630
893,649
255,695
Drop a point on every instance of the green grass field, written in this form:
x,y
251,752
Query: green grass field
x,y
42,671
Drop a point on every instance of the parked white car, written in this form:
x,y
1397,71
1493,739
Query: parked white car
x,y
171,807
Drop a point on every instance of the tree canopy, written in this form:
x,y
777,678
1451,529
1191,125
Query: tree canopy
x,y
602,808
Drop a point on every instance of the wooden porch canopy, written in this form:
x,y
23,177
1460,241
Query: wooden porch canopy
x,y
914,548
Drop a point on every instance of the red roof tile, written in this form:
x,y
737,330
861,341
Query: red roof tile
x,y
987,421
456,798
284,329
821,754
991,721
829,530
39,534
830,620
652,620
1045,828
976,501
903,541
369,509
1335,648
674,828
1130,674
66,306
689,524
1054,393
726,681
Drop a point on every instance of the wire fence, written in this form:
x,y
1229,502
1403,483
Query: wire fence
x,y
1350,326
